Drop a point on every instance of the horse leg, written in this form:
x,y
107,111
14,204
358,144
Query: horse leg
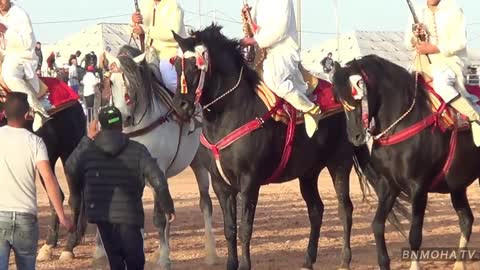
x,y
79,218
386,200
228,202
341,183
203,181
465,217
309,190
161,223
419,203
100,259
248,203
45,252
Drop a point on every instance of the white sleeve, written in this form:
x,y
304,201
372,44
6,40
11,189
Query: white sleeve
x,y
275,30
41,153
23,37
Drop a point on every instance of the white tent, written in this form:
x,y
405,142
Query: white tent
x,y
96,38
388,45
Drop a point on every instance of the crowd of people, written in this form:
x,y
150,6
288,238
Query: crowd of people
x,y
103,152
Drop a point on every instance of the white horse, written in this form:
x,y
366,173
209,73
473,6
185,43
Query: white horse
x,y
148,119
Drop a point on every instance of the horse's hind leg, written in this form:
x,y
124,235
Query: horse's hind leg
x,y
309,190
203,181
465,217
340,177
386,200
419,203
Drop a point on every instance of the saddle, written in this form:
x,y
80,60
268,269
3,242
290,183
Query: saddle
x,y
60,95
450,118
319,91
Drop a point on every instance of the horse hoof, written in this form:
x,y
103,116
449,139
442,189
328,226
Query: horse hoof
x,y
344,268
459,266
303,268
66,256
45,253
100,263
212,259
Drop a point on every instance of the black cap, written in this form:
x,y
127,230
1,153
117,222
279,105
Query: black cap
x,y
110,118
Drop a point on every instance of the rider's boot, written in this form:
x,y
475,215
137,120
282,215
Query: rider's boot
x,y
465,107
310,110
41,108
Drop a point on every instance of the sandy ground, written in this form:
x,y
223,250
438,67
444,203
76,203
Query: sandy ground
x,y
281,229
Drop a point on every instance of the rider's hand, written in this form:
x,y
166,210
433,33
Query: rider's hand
x,y
137,18
248,41
137,29
419,30
67,223
426,48
3,28
93,129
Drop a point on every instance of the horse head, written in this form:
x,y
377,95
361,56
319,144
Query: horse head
x,y
130,85
209,67
357,87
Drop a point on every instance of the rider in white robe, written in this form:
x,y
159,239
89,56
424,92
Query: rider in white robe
x,y
20,61
157,21
278,35
444,23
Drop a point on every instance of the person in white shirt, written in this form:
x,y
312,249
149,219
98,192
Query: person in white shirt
x,y
90,87
278,35
20,61
73,81
443,23
19,159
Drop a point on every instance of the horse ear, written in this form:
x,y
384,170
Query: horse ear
x,y
178,39
139,58
336,65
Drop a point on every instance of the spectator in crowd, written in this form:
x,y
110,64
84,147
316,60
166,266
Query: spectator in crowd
x,y
39,54
111,170
73,81
51,65
90,88
327,63
19,159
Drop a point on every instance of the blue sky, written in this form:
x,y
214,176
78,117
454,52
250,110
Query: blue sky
x,y
318,18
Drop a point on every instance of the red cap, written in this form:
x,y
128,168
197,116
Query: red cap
x,y
90,68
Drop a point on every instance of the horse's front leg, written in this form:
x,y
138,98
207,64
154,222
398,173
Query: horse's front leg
x,y
45,253
248,203
203,181
339,174
465,218
309,190
161,223
419,203
227,198
386,200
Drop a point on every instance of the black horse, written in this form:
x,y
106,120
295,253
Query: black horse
x,y
61,135
249,161
390,92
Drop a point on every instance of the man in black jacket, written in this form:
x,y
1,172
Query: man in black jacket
x,y
110,170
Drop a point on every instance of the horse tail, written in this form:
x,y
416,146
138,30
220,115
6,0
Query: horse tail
x,y
368,179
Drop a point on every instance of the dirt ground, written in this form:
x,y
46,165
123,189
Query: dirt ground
x,y
281,229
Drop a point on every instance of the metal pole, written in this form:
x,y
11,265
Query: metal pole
x,y
200,13
299,23
337,21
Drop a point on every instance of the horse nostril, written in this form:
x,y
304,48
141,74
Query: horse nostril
x,y
184,105
358,137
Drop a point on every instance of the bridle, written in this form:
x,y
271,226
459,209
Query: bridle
x,y
202,62
114,68
360,84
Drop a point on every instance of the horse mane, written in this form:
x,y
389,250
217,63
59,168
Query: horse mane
x,y
141,79
384,75
213,38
